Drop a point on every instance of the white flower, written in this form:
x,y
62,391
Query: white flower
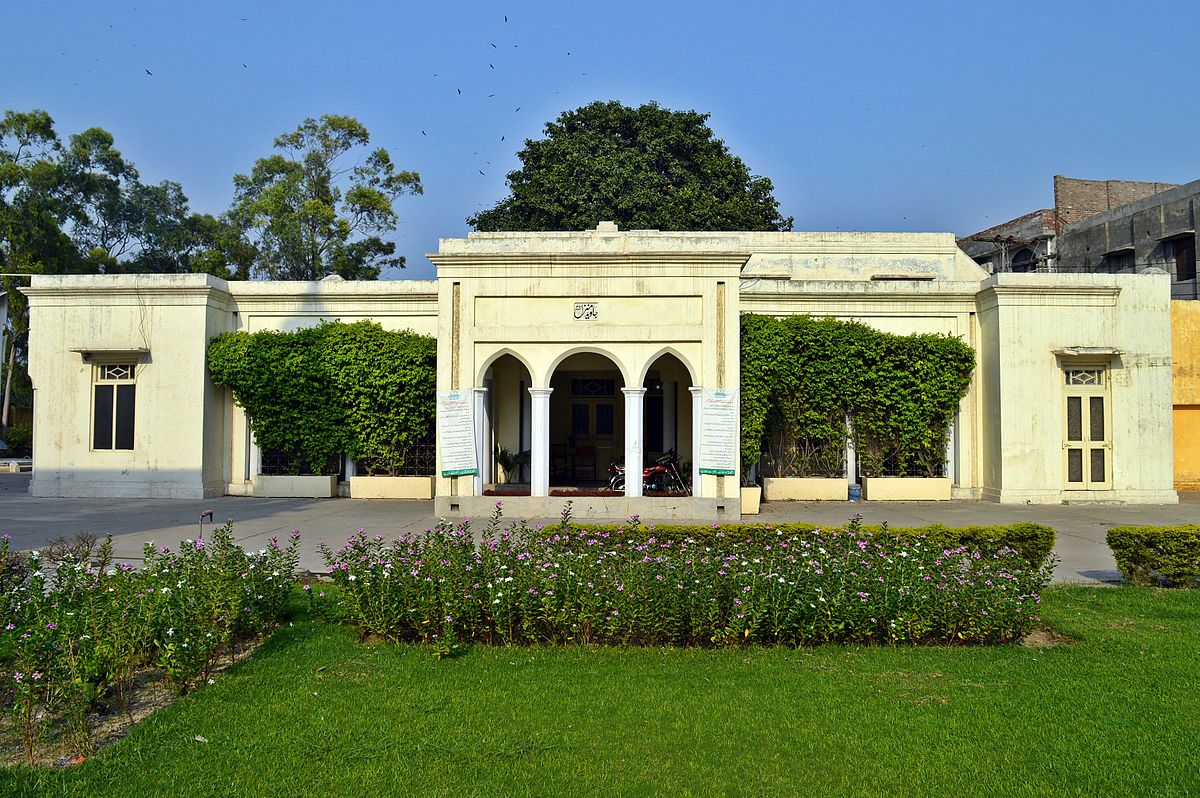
x,y
352,577
170,633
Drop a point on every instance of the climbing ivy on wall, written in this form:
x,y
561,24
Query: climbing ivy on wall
x,y
333,389
804,378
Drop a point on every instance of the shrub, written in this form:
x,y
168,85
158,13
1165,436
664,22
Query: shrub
x,y
19,439
320,392
627,586
1033,541
802,378
1157,555
76,627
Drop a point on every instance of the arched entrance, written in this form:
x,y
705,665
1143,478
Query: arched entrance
x,y
587,420
667,421
507,428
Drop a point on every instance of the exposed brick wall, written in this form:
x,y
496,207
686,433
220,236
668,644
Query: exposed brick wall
x,y
1076,199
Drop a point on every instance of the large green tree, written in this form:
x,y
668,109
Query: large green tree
x,y
311,212
80,207
644,167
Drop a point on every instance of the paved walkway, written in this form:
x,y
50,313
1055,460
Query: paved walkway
x,y
34,522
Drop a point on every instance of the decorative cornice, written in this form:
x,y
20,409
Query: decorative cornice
x,y
576,261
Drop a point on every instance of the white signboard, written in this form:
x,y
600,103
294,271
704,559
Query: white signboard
x,y
456,433
719,440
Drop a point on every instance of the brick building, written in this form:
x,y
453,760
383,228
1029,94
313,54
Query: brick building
x,y
1035,241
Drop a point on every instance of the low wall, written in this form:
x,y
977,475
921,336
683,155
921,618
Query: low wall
x,y
616,508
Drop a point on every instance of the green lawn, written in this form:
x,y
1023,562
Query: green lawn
x,y
315,713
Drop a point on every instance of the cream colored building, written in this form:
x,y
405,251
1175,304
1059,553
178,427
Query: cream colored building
x,y
581,348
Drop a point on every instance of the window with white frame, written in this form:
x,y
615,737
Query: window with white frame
x,y
113,401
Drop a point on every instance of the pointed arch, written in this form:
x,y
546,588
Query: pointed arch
x,y
499,353
669,350
591,350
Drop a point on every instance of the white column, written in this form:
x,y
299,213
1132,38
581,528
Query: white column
x,y
253,454
633,440
539,444
670,399
697,407
851,457
952,450
487,466
481,452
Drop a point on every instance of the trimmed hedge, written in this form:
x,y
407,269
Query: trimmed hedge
x,y
1166,556
1034,542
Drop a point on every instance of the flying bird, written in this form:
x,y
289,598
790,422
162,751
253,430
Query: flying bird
x,y
460,91
245,67
493,44
518,109
491,95
502,138
480,172
148,72
493,66
506,19
422,132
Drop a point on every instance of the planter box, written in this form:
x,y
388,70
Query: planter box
x,y
295,487
750,500
805,489
391,487
901,489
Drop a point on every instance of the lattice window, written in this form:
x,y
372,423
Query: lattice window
x,y
1085,377
122,372
593,387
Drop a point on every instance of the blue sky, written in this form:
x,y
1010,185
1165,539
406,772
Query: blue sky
x,y
900,116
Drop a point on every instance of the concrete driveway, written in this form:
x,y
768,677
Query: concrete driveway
x,y
34,522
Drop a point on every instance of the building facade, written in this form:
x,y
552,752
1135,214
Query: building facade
x,y
1119,227
583,348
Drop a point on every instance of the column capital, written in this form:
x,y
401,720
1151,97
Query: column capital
x,y
695,390
634,391
540,392
479,390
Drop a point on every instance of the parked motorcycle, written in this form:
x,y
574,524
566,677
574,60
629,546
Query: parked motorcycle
x,y
661,476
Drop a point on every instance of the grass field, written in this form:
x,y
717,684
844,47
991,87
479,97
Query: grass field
x,y
316,713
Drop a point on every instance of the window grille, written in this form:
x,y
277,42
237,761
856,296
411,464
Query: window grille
x,y
1085,376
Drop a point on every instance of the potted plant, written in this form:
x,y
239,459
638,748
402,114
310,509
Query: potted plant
x,y
506,463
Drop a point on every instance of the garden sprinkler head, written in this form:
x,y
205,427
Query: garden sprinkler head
x,y
205,514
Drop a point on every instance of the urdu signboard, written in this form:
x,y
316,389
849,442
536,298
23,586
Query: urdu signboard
x,y
456,434
719,441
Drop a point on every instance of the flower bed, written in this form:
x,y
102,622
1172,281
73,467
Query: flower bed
x,y
526,585
76,629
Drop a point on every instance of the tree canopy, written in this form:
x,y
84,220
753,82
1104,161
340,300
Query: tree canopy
x,y
310,214
79,206
644,167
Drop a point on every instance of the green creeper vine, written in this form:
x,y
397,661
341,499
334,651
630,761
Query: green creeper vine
x,y
804,379
333,389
